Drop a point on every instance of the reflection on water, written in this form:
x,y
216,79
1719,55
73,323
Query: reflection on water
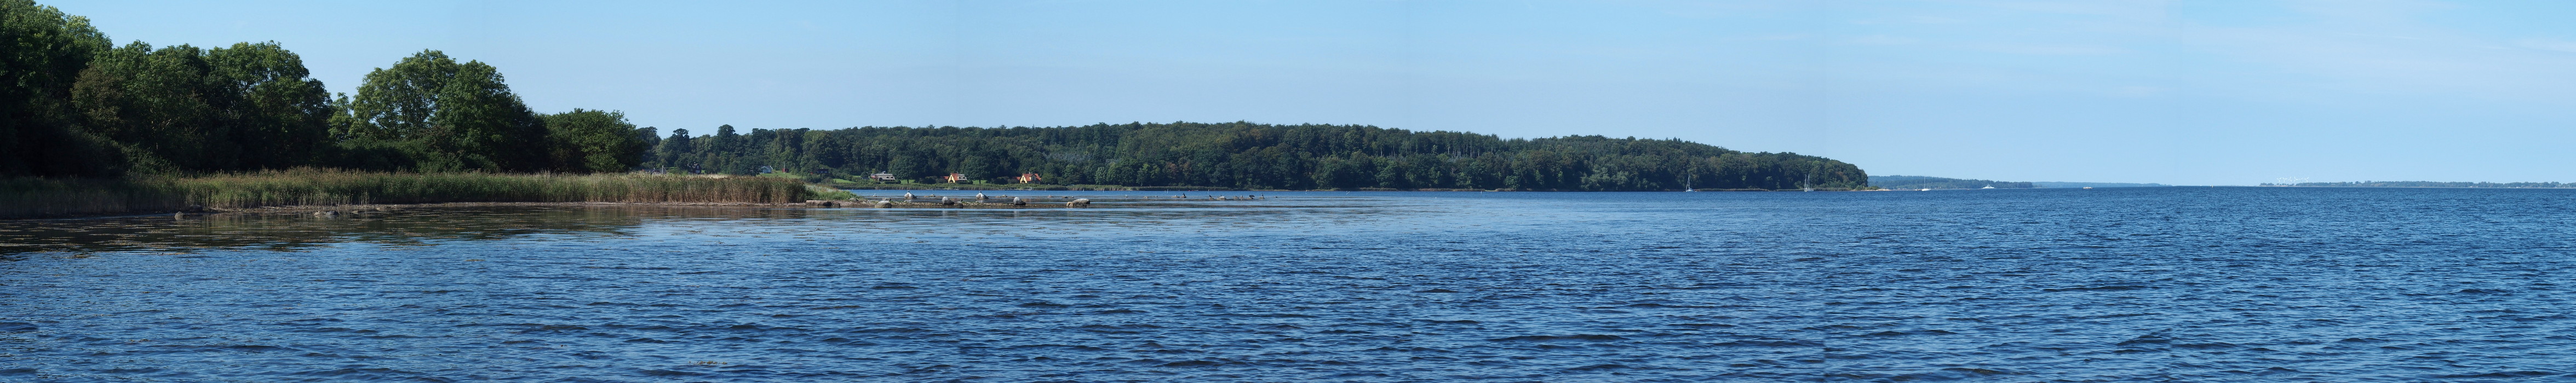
x,y
417,225
287,232
2147,284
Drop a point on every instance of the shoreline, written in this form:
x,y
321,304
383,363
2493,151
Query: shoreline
x,y
333,210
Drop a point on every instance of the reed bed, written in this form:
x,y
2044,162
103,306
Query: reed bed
x,y
32,197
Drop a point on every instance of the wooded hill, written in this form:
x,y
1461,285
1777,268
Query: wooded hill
x,y
75,105
1252,156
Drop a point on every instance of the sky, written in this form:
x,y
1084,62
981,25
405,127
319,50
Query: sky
x,y
2181,92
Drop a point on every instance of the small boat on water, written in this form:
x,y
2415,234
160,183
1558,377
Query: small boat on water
x,y
2088,187
1988,187
1926,189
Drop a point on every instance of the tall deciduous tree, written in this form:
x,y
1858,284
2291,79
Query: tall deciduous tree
x,y
42,52
448,116
589,141
250,106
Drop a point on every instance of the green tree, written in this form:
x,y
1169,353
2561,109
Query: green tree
x,y
448,116
593,141
250,106
42,52
277,109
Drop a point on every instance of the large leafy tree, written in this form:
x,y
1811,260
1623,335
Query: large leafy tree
x,y
250,106
42,51
280,113
594,141
447,115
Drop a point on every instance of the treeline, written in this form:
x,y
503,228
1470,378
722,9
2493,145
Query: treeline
x,y
2431,184
72,104
1922,182
1250,156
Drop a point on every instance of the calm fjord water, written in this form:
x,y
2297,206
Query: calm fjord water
x,y
2143,284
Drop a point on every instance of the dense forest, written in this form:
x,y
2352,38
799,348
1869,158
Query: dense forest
x,y
1922,182
2431,184
1250,156
73,104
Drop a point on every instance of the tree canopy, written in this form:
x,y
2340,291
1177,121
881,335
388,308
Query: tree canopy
x,y
72,104
1254,156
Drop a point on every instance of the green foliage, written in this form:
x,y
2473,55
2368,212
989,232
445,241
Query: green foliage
x,y
42,52
448,116
1922,182
249,106
1255,156
587,141
72,105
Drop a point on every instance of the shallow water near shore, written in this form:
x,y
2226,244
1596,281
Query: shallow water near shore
x,y
2115,284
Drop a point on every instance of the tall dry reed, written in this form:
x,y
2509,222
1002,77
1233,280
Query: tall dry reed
x,y
31,197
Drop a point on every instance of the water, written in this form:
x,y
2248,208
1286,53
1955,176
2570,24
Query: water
x,y
2144,284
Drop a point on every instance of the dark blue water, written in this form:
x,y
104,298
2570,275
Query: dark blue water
x,y
2145,284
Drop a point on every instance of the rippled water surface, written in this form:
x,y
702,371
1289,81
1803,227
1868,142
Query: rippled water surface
x,y
2133,284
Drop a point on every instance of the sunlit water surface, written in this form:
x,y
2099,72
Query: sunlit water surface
x,y
2142,284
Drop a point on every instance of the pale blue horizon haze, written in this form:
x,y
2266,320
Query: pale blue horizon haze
x,y
2176,92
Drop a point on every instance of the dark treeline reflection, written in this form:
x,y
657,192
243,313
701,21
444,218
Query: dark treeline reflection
x,y
287,232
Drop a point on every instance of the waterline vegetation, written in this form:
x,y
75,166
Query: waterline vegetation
x,y
40,197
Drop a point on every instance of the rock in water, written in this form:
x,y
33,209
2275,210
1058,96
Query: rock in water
x,y
1015,201
1078,202
947,200
979,196
885,204
907,196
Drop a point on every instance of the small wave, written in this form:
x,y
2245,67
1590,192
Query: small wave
x,y
1557,338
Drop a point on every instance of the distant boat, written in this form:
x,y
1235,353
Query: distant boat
x,y
2088,187
1925,190
1987,187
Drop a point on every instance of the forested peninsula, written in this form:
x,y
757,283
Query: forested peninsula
x,y
91,127
1244,155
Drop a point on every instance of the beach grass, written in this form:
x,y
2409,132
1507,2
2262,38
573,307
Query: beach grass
x,y
40,197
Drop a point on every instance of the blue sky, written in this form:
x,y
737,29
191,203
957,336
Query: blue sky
x,y
2179,92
